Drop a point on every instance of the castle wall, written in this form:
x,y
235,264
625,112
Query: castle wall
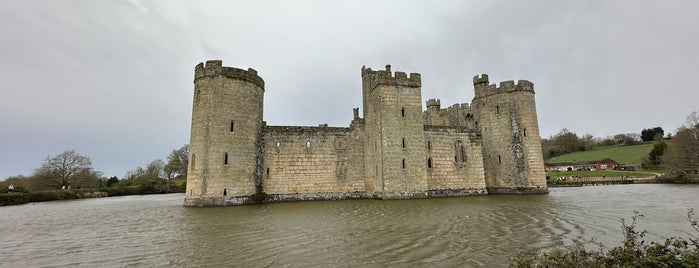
x,y
396,151
226,120
448,172
511,144
307,163
397,133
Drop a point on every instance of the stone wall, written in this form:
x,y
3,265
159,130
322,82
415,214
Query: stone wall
x,y
395,151
454,162
303,162
511,144
226,122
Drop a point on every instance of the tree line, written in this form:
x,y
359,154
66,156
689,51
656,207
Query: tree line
x,y
72,170
678,154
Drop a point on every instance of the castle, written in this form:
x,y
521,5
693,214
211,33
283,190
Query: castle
x,y
395,150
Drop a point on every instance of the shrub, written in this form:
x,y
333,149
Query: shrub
x,y
634,252
16,198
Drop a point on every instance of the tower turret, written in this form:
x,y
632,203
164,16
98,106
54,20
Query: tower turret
x,y
395,137
226,135
506,117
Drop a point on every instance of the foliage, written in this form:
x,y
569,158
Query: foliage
x,y
634,251
177,163
652,134
681,157
654,157
633,154
14,198
565,142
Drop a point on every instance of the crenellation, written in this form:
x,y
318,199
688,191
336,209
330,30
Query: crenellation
x,y
395,151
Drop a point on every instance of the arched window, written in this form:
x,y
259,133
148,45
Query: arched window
x,y
403,142
497,109
232,125
308,145
225,159
429,162
403,163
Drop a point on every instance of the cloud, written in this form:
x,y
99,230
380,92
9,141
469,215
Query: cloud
x,y
113,80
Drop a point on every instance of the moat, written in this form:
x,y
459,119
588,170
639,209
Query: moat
x,y
155,230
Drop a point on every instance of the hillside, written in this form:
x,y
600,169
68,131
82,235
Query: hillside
x,y
632,154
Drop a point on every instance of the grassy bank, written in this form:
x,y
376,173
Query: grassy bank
x,y
624,154
17,198
600,173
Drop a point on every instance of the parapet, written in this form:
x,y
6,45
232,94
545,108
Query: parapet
x,y
482,79
386,77
483,89
433,104
215,68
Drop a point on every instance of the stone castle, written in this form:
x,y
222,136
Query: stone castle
x,y
395,150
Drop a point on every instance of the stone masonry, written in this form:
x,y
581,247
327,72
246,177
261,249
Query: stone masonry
x,y
393,151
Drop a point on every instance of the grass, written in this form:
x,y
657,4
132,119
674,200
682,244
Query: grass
x,y
623,154
600,173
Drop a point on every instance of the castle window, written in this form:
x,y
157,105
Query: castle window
x,y
197,97
403,163
429,145
460,156
232,125
267,171
402,111
225,159
403,143
497,109
308,145
525,132
499,159
476,125
192,161
429,162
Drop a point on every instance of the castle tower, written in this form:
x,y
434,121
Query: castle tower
x,y
226,135
506,117
395,156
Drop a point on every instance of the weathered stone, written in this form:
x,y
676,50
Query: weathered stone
x,y
395,151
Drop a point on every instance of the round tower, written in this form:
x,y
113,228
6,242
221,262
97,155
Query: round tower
x,y
506,117
225,136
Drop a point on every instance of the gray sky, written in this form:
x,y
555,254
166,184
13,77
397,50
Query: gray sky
x,y
113,79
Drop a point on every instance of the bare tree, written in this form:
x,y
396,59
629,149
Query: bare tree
x,y
65,169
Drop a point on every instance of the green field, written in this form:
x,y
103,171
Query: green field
x,y
629,154
600,173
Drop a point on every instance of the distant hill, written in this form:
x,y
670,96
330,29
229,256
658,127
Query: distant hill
x,y
631,154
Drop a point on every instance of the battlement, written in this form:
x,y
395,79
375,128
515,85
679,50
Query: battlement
x,y
480,79
484,89
215,68
433,104
386,77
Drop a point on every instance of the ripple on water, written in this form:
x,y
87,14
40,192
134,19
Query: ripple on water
x,y
470,231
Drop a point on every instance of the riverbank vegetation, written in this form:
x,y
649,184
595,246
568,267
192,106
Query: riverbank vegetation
x,y
672,158
634,251
70,175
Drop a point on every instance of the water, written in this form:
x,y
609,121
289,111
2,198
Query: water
x,y
155,230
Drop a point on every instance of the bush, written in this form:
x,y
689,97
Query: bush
x,y
635,252
15,198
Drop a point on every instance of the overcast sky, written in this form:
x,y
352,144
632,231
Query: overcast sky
x,y
113,79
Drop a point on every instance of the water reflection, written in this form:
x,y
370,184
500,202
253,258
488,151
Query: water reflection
x,y
471,231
